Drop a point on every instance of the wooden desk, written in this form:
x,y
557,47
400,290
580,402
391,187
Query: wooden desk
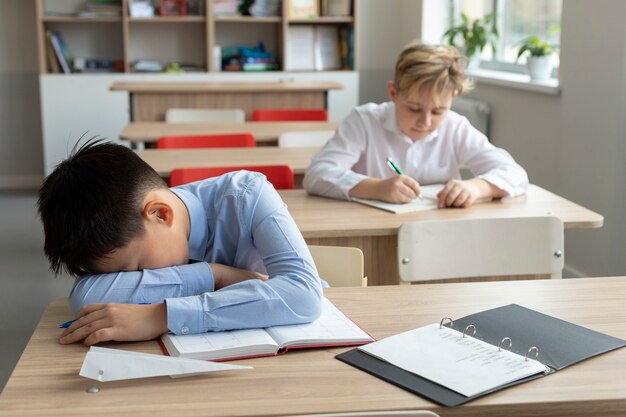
x,y
265,133
164,160
45,381
325,221
150,100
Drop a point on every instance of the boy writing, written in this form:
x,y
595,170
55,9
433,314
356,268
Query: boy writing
x,y
419,132
110,220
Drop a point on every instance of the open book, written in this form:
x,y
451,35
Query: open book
x,y
332,329
454,362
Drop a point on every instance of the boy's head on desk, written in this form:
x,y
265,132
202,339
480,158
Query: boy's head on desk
x,y
105,210
427,78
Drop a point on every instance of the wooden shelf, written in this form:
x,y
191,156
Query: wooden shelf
x,y
323,19
191,39
248,19
168,19
80,19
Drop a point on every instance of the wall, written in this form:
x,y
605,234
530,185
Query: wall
x,y
20,136
574,143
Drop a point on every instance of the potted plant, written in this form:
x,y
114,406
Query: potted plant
x,y
475,35
538,59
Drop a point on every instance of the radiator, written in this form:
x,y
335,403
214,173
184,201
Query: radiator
x,y
477,112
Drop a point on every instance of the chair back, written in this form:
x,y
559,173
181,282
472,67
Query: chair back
x,y
304,139
234,140
445,249
339,266
281,176
289,115
205,116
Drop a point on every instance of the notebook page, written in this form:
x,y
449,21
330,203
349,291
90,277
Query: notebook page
x,y
429,201
332,327
466,365
215,345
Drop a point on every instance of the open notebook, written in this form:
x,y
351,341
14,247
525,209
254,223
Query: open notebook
x,y
333,328
429,201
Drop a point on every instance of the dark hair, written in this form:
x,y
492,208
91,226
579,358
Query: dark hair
x,y
90,204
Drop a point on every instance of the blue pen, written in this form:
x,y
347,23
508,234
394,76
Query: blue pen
x,y
66,324
398,171
69,323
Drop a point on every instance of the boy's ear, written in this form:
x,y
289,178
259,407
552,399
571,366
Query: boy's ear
x,y
158,211
391,90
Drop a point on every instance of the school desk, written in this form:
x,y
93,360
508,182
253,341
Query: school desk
x,y
164,160
265,133
45,381
325,221
150,100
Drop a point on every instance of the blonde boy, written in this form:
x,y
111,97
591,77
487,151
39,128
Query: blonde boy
x,y
417,129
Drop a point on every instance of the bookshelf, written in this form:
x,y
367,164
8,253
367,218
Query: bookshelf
x,y
182,39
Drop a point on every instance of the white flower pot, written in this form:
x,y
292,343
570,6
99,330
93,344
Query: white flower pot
x,y
539,67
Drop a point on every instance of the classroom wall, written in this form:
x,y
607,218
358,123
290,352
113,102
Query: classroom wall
x,y
20,136
574,143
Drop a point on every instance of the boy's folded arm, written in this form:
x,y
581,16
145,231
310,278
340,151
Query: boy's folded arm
x,y
142,287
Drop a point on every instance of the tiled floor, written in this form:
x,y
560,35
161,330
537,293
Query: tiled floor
x,y
26,284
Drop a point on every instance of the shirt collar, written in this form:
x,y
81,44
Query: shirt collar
x,y
198,224
391,124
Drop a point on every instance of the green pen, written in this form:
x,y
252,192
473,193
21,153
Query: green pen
x,y
398,171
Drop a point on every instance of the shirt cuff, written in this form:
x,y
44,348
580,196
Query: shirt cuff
x,y
196,278
184,315
502,184
348,182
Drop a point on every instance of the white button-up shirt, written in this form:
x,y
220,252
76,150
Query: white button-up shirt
x,y
370,134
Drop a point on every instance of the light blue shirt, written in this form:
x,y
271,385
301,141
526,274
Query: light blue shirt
x,y
237,219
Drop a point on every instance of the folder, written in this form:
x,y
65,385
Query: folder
x,y
558,343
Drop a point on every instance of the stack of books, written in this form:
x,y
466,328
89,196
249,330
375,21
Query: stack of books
x,y
102,8
265,8
226,7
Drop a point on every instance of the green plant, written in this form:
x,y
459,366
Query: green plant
x,y
535,47
476,34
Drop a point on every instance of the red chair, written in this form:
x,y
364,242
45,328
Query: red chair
x,y
289,115
281,176
235,140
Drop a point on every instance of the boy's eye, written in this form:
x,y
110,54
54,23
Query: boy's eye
x,y
438,113
414,110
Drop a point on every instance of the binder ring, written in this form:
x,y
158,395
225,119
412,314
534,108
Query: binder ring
x,y
504,339
468,327
441,323
530,350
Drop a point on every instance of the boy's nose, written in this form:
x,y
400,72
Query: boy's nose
x,y
424,120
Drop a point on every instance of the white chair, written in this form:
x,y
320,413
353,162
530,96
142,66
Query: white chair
x,y
304,139
407,413
445,249
205,116
339,266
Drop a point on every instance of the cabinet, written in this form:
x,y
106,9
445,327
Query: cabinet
x,y
183,39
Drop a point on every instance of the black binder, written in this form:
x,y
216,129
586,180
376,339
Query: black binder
x,y
559,343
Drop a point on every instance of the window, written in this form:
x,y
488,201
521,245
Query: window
x,y
516,20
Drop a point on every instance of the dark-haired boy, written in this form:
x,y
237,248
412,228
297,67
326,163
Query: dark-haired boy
x,y
110,219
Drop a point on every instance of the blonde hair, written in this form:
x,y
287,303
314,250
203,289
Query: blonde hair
x,y
438,68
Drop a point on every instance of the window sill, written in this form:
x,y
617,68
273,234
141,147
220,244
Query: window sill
x,y
513,80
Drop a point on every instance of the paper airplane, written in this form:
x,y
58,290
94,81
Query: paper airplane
x,y
104,364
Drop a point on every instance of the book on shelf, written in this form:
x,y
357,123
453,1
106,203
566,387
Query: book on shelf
x,y
331,329
53,62
456,361
311,48
302,9
61,51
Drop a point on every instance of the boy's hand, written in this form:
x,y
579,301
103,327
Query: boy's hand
x,y
120,322
459,193
225,275
396,189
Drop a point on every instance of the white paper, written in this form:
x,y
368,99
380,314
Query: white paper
x,y
300,48
332,326
464,364
429,201
104,364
